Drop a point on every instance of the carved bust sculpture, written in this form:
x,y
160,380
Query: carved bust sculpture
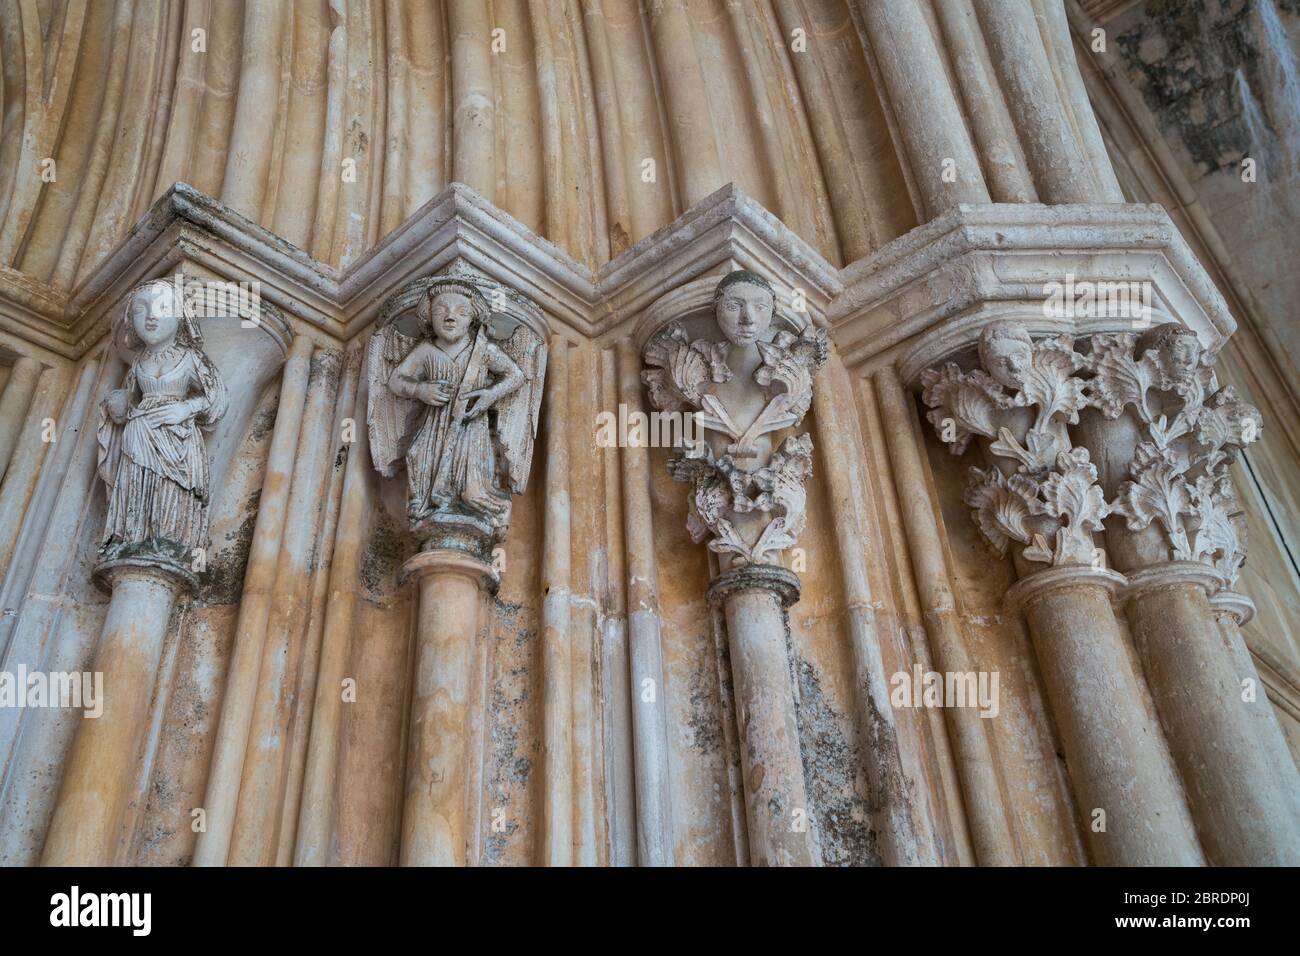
x,y
1007,353
151,451
1190,433
1040,491
747,498
455,393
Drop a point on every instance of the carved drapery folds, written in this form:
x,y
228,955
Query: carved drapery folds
x,y
1043,492
456,368
747,497
456,381
152,457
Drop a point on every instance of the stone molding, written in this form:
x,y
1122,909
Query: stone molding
x,y
924,297
448,561
457,227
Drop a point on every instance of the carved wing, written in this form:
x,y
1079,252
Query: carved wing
x,y
390,419
517,413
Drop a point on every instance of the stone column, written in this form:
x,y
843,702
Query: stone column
x,y
742,378
985,807
1232,610
97,779
221,794
434,828
777,813
1117,759
654,819
1166,434
17,396
1040,502
440,357
1239,793
931,124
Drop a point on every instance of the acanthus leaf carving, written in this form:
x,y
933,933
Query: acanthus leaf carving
x,y
747,499
1191,432
1002,506
1157,492
1071,494
970,400
1052,504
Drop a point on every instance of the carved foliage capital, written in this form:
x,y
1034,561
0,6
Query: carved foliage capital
x,y
747,493
1042,492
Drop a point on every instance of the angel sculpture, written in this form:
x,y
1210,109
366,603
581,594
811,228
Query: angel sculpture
x,y
151,451
748,495
455,391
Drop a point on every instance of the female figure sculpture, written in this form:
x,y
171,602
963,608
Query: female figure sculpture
x,y
151,450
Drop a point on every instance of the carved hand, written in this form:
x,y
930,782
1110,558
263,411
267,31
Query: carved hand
x,y
431,393
176,413
117,404
485,397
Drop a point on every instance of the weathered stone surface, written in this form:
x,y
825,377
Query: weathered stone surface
x,y
516,661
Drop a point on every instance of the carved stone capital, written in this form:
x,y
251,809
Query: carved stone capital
x,y
456,367
1188,430
1042,413
153,458
745,374
1039,491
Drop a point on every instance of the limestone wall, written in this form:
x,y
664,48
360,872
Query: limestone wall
x,y
914,171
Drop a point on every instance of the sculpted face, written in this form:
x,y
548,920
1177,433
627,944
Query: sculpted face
x,y
155,316
1184,354
1007,354
450,316
744,313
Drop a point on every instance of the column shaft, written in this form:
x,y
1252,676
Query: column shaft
x,y
654,834
222,793
985,808
98,776
557,671
434,827
13,406
777,812
928,117
1238,795
1117,759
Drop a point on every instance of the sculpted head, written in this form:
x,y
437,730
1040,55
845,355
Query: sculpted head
x,y
1007,353
1176,345
154,313
744,305
449,315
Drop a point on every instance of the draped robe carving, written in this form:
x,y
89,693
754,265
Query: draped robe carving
x,y
152,456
